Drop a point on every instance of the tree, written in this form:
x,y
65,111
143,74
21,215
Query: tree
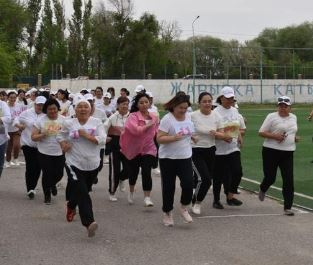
x,y
86,37
33,10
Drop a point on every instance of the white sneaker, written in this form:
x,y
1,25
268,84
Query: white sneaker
x,y
131,198
112,198
122,186
12,163
156,171
196,208
185,214
168,219
16,162
148,202
6,164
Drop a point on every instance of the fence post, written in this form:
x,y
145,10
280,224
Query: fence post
x,y
261,73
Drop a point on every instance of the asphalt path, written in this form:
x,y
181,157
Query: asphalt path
x,y
32,233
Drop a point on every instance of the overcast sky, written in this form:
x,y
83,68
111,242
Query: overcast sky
x,y
226,19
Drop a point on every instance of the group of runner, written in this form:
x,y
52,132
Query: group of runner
x,y
74,131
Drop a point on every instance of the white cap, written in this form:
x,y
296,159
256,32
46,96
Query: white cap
x,y
12,91
88,96
228,92
83,100
77,98
284,100
40,100
71,95
107,95
149,94
33,89
27,93
41,89
139,88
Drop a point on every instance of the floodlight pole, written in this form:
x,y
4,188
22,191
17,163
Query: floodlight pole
x,y
194,67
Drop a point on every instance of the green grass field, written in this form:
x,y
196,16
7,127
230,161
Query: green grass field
x,y
251,151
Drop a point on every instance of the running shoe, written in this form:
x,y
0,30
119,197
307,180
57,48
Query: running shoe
x,y
289,212
16,162
185,214
168,219
122,186
218,205
6,164
196,208
70,213
31,194
112,198
234,202
261,195
130,198
147,201
92,229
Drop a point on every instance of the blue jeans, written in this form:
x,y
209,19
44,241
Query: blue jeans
x,y
3,148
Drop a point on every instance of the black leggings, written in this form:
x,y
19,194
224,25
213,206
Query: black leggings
x,y
227,171
272,160
33,169
170,168
145,162
117,170
52,170
203,166
78,188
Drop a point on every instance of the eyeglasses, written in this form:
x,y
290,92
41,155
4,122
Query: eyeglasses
x,y
286,100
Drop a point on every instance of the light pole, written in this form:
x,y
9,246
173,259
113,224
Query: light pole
x,y
194,70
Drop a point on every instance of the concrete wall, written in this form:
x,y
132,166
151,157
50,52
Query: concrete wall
x,y
254,91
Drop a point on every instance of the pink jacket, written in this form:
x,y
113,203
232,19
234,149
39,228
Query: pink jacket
x,y
136,139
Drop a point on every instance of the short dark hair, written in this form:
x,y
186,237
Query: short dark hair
x,y
202,94
99,88
179,98
135,101
125,90
121,100
49,102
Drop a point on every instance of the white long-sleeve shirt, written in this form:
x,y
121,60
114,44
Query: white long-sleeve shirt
x,y
83,154
5,117
28,118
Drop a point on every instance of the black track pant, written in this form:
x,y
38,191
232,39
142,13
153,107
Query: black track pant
x,y
33,169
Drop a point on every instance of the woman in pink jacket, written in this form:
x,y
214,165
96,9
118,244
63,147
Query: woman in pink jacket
x,y
137,145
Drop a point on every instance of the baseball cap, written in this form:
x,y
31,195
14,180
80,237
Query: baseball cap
x,y
107,95
88,96
228,92
139,88
284,100
149,94
40,100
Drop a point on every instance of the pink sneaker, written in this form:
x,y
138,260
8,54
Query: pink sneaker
x,y
168,219
185,214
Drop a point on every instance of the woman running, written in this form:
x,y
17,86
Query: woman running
x,y
25,123
114,127
174,137
14,133
206,124
80,139
137,145
279,132
50,153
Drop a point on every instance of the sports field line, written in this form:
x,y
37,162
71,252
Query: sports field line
x,y
244,215
279,189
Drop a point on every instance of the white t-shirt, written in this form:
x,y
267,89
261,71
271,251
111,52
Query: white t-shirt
x,y
49,145
179,149
64,106
230,123
100,114
15,111
98,101
203,124
5,117
276,124
83,154
109,110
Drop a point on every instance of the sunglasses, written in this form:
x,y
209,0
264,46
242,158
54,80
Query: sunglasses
x,y
286,100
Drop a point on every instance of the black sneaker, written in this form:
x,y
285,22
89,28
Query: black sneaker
x,y
47,199
218,205
54,191
234,202
31,194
